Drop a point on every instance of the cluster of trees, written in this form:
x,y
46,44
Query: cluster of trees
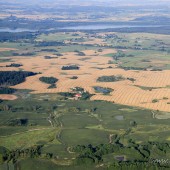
x,y
14,65
52,86
93,154
24,54
142,153
132,68
131,79
67,94
74,77
80,53
110,78
121,47
49,43
6,90
49,50
59,54
14,77
118,55
134,165
155,100
27,108
86,96
32,107
77,90
5,107
49,57
72,67
156,69
13,37
18,122
14,155
103,90
121,54
49,80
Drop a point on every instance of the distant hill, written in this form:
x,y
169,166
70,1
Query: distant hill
x,y
153,19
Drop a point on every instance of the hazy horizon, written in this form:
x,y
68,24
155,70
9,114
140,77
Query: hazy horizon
x,y
95,2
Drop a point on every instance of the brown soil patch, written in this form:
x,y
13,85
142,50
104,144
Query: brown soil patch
x,y
8,97
7,49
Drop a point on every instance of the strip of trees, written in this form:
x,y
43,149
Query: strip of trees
x,y
14,65
72,67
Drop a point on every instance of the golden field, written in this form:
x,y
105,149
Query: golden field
x,y
95,65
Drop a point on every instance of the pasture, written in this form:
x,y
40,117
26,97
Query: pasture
x,y
77,123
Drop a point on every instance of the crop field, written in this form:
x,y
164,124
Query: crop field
x,y
8,97
97,60
84,85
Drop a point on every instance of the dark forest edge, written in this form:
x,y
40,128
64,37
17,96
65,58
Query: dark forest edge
x,y
14,77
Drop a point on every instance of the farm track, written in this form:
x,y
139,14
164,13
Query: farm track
x,y
110,138
68,150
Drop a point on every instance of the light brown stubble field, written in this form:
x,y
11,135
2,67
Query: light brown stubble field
x,y
124,92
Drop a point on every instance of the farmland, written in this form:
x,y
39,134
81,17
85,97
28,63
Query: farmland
x,y
84,86
98,60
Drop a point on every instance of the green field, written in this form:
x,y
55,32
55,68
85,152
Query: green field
x,y
76,123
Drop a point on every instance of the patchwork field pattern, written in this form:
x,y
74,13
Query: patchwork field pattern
x,y
148,86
